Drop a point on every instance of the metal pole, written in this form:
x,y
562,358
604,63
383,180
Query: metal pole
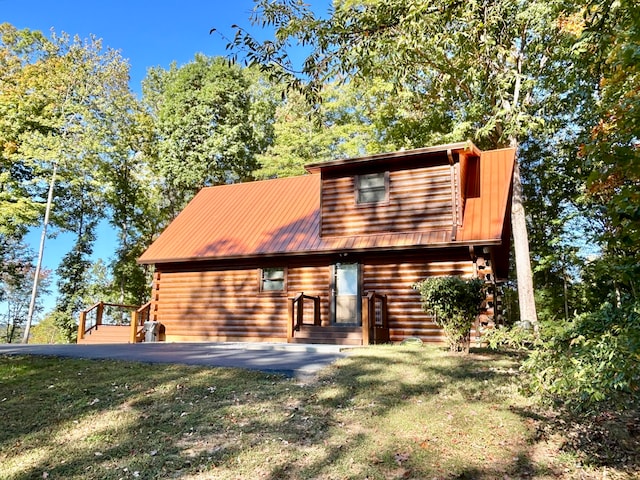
x,y
43,237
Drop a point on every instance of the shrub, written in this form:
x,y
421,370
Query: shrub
x,y
516,337
590,362
454,302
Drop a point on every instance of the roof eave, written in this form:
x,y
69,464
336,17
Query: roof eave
x,y
466,146
432,246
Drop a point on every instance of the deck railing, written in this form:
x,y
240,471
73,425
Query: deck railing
x,y
296,313
103,313
375,322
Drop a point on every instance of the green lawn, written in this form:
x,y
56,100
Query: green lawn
x,y
381,413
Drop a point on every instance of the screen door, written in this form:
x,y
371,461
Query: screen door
x,y
346,293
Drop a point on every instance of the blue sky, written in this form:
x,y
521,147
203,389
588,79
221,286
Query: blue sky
x,y
148,34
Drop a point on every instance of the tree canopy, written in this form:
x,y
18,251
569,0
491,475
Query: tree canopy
x,y
204,121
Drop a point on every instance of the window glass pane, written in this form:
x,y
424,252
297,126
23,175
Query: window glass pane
x,y
371,188
372,180
347,278
273,285
368,196
272,279
273,273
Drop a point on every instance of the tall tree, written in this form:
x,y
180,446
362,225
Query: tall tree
x,y
203,112
479,65
19,207
133,196
611,40
345,124
60,91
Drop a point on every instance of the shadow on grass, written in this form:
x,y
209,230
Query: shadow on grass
x,y
385,412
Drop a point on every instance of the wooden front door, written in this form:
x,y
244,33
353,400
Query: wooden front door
x,y
345,291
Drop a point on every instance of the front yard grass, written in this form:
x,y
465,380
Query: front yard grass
x,y
391,412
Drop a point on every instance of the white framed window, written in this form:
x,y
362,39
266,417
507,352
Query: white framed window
x,y
272,279
372,188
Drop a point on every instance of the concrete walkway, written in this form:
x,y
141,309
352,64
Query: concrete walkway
x,y
293,360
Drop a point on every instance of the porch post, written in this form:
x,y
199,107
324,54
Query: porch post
x,y
300,312
82,324
290,320
99,313
316,311
134,326
365,320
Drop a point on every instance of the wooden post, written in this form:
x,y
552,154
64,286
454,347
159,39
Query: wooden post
x,y
385,319
316,311
290,320
365,320
134,327
300,312
82,324
99,313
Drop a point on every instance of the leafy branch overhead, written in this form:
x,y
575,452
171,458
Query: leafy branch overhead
x,y
486,62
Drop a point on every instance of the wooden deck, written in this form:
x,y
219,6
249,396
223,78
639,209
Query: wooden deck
x,y
107,334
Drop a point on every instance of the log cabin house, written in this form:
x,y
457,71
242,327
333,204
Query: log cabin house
x,y
331,256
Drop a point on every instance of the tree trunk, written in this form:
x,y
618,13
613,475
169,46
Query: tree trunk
x,y
521,247
43,237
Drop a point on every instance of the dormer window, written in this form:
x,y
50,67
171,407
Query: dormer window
x,y
372,188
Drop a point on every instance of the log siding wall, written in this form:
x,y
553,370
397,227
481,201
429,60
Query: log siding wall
x,y
395,279
419,199
195,303
226,305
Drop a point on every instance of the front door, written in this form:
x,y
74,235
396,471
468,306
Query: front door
x,y
345,294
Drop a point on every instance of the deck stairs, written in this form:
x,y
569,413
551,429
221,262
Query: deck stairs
x,y
107,334
332,335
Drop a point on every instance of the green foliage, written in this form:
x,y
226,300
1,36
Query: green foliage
x,y
454,302
591,362
472,68
351,121
47,331
611,155
16,281
18,207
515,337
204,116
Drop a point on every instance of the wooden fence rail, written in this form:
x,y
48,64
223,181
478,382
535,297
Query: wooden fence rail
x,y
92,317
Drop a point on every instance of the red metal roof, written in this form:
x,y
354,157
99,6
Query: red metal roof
x,y
484,216
282,216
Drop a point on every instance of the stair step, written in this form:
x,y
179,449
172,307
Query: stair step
x,y
108,334
328,335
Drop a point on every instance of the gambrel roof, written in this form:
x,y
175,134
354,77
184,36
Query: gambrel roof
x,y
282,216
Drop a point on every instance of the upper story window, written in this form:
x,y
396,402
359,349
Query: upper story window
x,y
372,188
272,279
